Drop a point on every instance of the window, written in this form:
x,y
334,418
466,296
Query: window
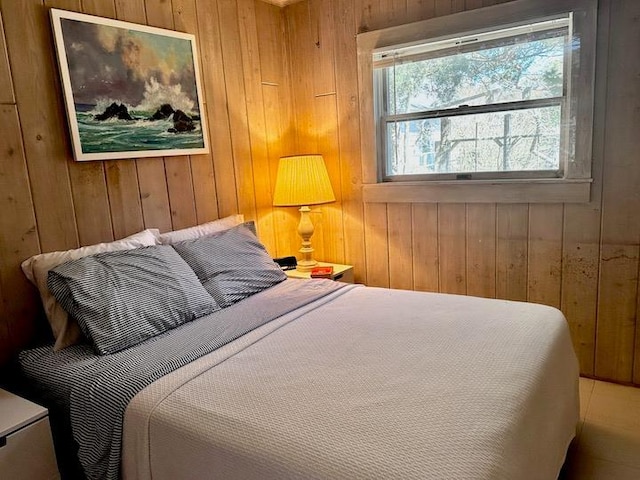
x,y
484,100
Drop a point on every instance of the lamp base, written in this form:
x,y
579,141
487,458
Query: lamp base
x,y
306,265
305,230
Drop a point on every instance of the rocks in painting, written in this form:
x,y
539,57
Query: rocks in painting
x,y
164,112
182,122
114,110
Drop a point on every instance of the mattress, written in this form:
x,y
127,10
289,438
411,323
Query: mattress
x,y
368,383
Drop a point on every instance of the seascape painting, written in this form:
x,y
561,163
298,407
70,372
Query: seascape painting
x,y
130,90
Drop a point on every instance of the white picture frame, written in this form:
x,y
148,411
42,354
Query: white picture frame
x,y
130,90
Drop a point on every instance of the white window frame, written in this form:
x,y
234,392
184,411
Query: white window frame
x,y
573,185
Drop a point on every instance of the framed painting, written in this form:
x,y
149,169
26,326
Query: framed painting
x,y
130,90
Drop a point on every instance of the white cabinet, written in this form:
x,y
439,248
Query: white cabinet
x,y
26,446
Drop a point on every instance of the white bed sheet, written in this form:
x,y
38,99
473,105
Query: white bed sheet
x,y
368,383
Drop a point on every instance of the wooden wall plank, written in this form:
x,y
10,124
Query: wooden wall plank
x,y
421,9
272,54
91,202
154,196
322,56
249,40
124,197
307,115
472,4
377,244
581,253
481,250
6,84
376,14
159,13
512,251
279,132
424,239
180,188
457,6
302,48
285,218
399,223
237,110
131,10
617,304
443,7
101,8
452,247
348,123
321,22
204,188
329,146
395,11
368,11
18,237
216,107
42,121
545,254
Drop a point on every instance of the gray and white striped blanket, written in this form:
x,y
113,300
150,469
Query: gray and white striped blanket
x,y
97,389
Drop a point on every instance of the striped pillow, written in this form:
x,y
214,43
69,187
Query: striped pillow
x,y
231,265
120,299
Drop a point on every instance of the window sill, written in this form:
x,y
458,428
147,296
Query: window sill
x,y
480,191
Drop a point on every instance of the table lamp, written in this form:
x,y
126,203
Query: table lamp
x,y
302,180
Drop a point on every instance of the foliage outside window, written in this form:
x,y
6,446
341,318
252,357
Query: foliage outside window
x,y
485,99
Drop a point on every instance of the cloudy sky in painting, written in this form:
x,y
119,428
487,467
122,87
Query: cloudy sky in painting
x,y
136,68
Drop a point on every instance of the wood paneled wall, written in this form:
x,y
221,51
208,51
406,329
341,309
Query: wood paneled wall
x,y
49,202
284,81
581,258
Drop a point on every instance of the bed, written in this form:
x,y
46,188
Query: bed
x,y
317,379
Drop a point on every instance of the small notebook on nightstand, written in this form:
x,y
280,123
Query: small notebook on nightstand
x,y
322,272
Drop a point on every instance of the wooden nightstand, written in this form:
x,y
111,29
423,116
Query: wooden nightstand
x,y
341,273
26,446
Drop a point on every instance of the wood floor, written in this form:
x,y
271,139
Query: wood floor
x,y
608,443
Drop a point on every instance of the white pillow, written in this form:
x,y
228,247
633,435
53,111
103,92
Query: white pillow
x,y
202,230
65,330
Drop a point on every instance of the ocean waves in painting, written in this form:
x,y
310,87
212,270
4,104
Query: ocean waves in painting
x,y
115,135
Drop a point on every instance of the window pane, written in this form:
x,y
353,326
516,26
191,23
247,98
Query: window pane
x,y
489,142
527,70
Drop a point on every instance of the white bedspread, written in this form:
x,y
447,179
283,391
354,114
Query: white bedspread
x,y
368,383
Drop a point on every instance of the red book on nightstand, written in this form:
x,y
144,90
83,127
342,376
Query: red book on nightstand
x,y
322,272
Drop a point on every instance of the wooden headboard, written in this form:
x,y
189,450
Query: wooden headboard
x,y
22,322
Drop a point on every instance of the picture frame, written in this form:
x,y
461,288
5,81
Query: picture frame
x,y
130,90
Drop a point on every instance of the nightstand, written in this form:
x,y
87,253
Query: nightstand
x,y
341,273
26,446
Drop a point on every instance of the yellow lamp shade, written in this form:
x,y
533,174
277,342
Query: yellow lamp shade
x,y
302,180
